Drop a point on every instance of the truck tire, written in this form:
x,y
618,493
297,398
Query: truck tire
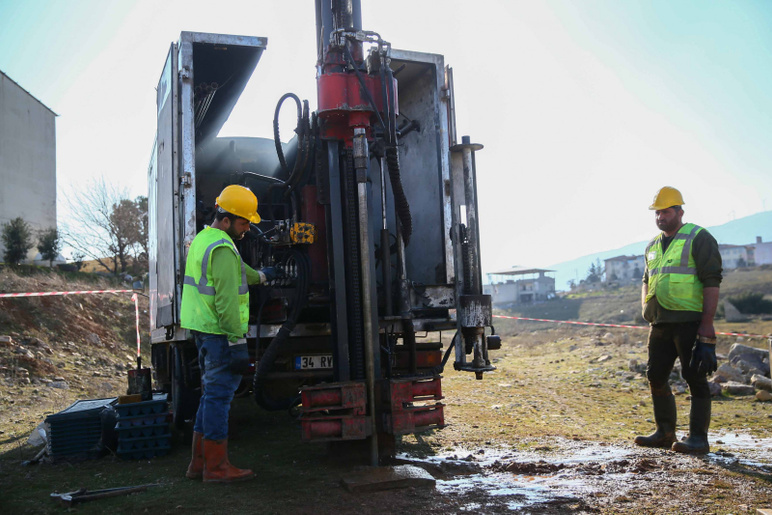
x,y
186,387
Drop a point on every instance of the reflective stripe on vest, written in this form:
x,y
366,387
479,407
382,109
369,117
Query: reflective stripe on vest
x,y
198,295
201,285
676,286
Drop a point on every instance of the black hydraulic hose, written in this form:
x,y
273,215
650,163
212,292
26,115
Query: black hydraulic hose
x,y
314,136
268,358
400,200
392,105
304,143
441,367
276,138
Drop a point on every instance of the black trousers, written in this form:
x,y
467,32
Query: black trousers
x,y
666,343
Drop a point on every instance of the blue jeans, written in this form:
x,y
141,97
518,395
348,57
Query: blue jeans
x,y
218,384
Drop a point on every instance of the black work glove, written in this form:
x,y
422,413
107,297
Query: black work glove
x,y
272,273
704,356
239,363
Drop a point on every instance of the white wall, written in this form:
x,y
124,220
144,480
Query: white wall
x,y
27,159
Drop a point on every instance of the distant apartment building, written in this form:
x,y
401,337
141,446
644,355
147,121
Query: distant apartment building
x,y
753,254
520,285
27,159
624,269
736,256
762,252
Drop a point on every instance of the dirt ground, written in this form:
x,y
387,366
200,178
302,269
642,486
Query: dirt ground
x,y
549,431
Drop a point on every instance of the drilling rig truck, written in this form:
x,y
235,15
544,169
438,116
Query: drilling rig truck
x,y
370,210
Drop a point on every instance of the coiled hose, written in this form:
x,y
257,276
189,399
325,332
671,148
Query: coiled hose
x,y
268,358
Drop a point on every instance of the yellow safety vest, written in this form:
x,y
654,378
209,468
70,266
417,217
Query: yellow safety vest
x,y
198,312
673,274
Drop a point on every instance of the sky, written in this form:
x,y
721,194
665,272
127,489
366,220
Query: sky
x,y
585,107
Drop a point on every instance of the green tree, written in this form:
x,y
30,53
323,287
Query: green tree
x,y
49,244
17,239
595,272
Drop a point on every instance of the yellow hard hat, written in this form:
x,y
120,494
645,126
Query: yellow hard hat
x,y
667,197
239,201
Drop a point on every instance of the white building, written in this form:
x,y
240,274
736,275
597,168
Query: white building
x,y
736,256
519,285
624,269
27,159
762,252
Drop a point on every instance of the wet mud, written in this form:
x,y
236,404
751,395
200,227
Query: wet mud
x,y
568,476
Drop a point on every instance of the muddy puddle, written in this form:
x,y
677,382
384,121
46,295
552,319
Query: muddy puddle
x,y
577,476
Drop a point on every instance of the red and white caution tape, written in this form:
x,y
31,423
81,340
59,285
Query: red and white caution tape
x,y
53,293
615,325
134,297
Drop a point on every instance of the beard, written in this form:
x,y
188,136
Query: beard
x,y
668,226
235,235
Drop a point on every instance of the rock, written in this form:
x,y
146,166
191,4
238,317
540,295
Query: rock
x,y
727,372
94,339
603,358
753,357
715,389
6,341
59,384
761,383
732,314
735,388
634,366
764,396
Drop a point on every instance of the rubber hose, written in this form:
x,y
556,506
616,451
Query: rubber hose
x,y
268,358
400,200
276,138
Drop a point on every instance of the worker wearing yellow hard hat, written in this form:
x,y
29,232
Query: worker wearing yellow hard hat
x,y
679,299
215,308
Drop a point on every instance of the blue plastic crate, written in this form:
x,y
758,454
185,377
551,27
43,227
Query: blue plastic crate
x,y
135,409
77,430
142,420
144,447
130,432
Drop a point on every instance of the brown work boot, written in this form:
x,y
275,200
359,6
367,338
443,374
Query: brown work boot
x,y
217,468
196,467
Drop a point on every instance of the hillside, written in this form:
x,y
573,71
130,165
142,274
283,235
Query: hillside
x,y
622,305
737,232
55,350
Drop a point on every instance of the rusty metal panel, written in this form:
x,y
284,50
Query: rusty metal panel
x,y
425,167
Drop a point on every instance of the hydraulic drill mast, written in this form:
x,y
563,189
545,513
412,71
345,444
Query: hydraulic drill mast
x,y
371,210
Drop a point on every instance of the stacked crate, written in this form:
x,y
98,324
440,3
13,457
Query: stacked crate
x,y
143,428
76,432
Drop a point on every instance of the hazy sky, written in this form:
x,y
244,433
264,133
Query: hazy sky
x,y
585,107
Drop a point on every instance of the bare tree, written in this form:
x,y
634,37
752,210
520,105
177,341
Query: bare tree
x,y
105,225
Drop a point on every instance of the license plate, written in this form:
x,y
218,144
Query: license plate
x,y
311,362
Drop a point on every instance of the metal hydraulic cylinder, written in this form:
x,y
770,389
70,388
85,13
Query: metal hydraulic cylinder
x,y
474,308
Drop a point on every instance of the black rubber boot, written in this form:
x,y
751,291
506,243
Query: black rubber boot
x,y
665,418
699,421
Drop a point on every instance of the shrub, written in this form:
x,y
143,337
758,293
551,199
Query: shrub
x,y
751,303
17,238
